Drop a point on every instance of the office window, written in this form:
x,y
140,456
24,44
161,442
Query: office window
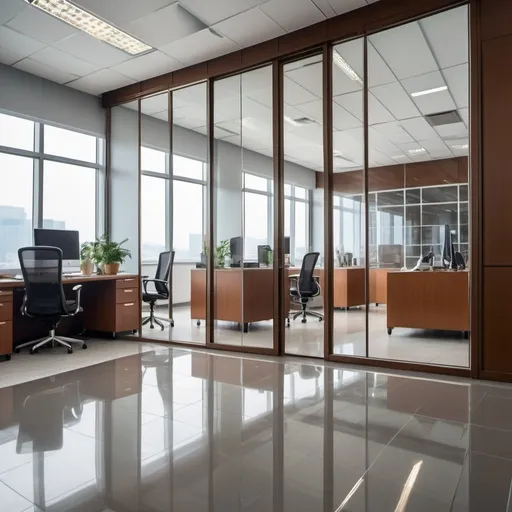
x,y
188,220
256,182
16,132
256,225
188,168
69,144
153,160
153,217
16,198
69,198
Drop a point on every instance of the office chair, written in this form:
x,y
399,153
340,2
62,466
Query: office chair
x,y
459,261
163,270
44,295
304,287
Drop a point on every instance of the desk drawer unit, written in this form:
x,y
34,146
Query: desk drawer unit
x,y
127,316
124,295
5,338
128,282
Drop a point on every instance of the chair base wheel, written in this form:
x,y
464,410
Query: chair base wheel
x,y
303,320
84,347
151,326
7,357
17,350
34,350
172,323
70,350
198,323
390,330
320,319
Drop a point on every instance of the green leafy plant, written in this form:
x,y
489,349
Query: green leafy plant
x,y
222,252
108,252
88,251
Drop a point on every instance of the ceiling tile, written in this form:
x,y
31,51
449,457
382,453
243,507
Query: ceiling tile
x,y
121,12
212,12
448,36
457,79
455,130
61,60
396,100
308,77
344,120
165,26
199,47
250,27
293,14
464,113
100,82
430,103
378,71
405,50
45,71
394,132
10,8
436,148
13,44
41,26
325,7
92,50
157,103
419,129
146,66
9,57
342,6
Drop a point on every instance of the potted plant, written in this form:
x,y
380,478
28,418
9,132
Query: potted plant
x,y
87,255
111,255
221,253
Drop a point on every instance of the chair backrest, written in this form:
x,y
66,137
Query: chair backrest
x,y
42,271
307,283
459,261
163,270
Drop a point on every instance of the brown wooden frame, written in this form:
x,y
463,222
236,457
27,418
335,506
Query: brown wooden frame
x,y
317,38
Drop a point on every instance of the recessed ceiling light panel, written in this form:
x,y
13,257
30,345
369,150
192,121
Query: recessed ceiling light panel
x,y
345,67
92,25
418,151
429,91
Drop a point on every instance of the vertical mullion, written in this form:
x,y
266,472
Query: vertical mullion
x,y
328,201
37,213
365,195
139,203
210,268
169,206
108,144
278,163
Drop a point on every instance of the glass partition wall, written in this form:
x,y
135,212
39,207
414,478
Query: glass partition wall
x,y
397,221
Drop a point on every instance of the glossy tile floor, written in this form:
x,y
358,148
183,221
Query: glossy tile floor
x,y
188,431
432,347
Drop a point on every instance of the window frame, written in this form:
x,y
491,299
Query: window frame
x,y
39,157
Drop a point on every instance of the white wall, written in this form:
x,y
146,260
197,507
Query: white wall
x,y
39,99
180,280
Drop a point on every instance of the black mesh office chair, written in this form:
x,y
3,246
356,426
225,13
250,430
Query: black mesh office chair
x,y
304,287
161,292
44,295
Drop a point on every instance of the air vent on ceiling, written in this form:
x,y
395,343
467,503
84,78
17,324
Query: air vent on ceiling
x,y
303,121
444,118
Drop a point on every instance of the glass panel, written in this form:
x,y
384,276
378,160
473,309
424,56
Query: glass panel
x,y
303,149
16,193
188,167
69,144
287,190
411,317
255,182
190,213
153,160
244,279
60,211
16,132
155,215
349,216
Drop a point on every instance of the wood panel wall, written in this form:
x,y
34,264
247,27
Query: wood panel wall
x,y
496,79
392,177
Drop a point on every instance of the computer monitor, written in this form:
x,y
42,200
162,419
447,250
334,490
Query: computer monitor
x,y
67,241
236,248
287,245
448,254
263,254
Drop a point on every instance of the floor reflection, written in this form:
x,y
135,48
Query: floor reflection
x,y
177,430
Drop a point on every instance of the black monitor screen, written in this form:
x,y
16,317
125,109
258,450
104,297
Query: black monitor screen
x,y
67,241
236,247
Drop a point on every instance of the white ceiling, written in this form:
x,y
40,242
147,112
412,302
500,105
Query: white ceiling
x,y
421,55
42,45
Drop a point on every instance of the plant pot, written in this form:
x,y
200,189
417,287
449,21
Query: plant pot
x,y
87,267
110,269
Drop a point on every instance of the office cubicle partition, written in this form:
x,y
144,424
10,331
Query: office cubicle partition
x,y
356,149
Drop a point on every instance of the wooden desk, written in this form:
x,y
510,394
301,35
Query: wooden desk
x,y
428,300
379,285
241,296
110,303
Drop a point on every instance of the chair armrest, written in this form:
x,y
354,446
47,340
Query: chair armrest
x,y
293,276
78,290
146,281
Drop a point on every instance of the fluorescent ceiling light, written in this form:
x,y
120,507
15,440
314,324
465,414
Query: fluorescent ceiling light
x,y
461,146
429,91
409,484
291,121
345,67
417,151
92,25
396,157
